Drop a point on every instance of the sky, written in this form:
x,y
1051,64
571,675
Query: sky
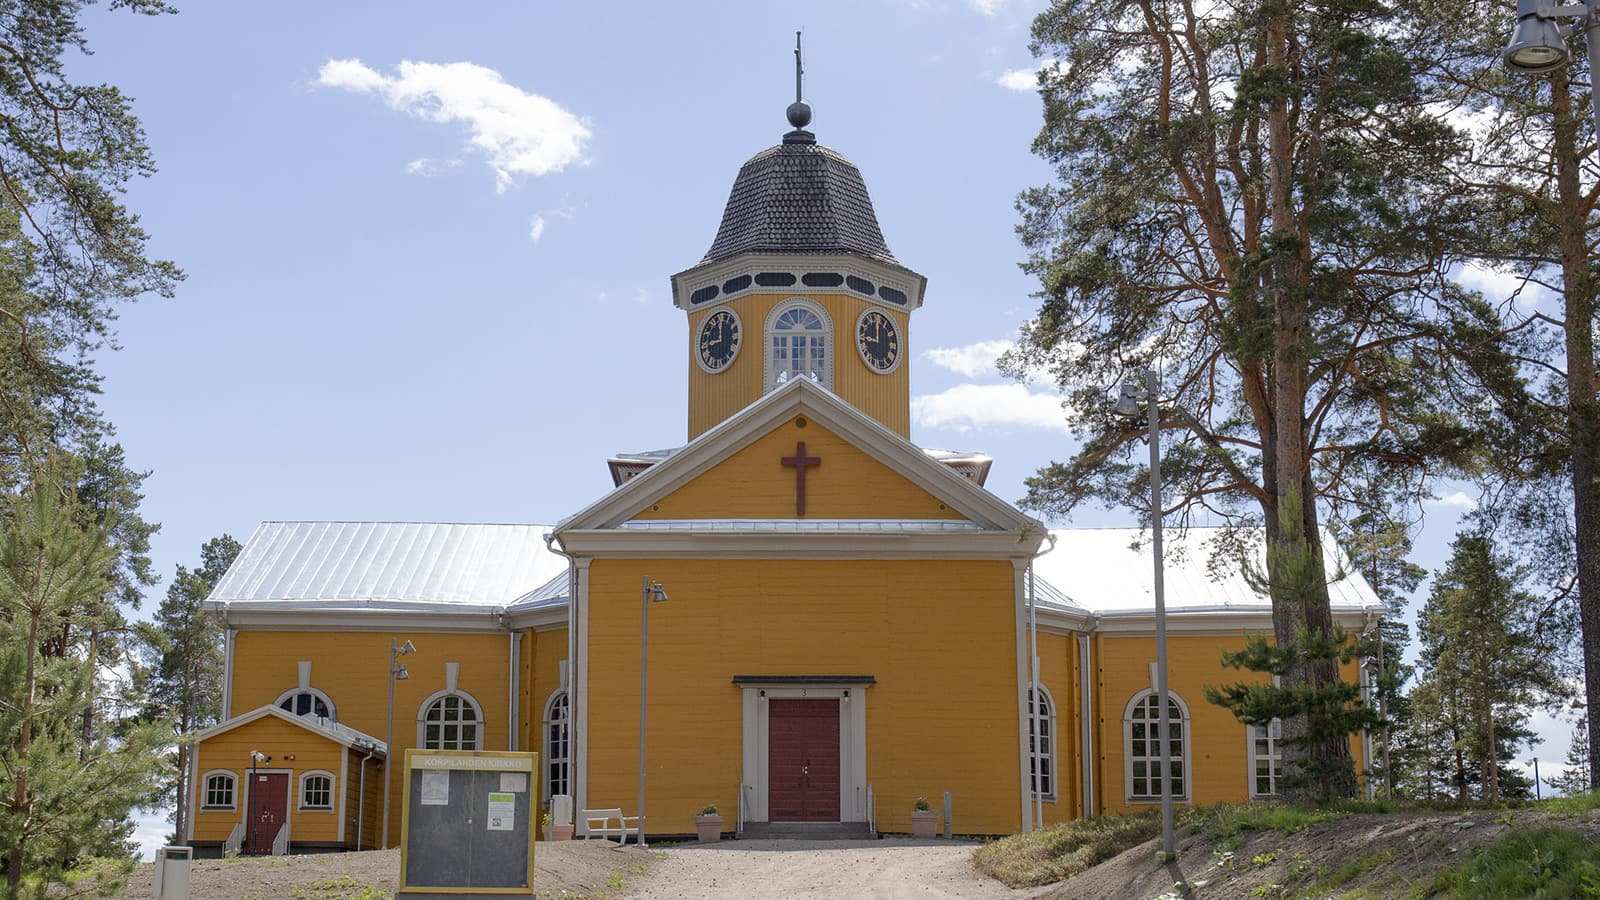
x,y
429,246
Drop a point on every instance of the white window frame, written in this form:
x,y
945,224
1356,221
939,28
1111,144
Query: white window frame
x,y
768,333
333,712
550,759
1152,760
1047,718
479,741
300,795
1273,735
233,789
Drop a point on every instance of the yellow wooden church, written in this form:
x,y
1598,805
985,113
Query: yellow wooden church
x,y
836,620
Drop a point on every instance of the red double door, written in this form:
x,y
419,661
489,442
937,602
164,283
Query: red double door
x,y
803,760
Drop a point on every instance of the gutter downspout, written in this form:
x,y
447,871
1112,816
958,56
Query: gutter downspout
x,y
1033,666
574,759
361,793
513,645
227,663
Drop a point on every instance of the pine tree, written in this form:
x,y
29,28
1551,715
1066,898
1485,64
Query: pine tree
x,y
1251,198
64,793
1483,666
1575,780
185,643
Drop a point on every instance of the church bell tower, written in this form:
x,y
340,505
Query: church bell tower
x,y
798,283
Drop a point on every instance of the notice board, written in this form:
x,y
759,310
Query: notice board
x,y
466,822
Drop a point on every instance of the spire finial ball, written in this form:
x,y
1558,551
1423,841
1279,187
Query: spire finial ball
x,y
799,114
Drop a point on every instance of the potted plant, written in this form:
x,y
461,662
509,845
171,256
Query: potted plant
x,y
708,825
555,832
924,821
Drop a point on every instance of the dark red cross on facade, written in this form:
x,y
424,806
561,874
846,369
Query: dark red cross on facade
x,y
800,461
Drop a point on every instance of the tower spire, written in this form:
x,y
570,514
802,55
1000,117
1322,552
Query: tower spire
x,y
799,111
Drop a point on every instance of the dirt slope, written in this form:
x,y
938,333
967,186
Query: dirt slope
x,y
1384,853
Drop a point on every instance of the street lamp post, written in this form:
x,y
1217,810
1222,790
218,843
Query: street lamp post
x,y
650,592
256,758
397,672
1128,406
1538,44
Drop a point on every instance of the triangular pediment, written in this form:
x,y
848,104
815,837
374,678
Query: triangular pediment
x,y
856,470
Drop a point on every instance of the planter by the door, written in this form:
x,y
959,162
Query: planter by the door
x,y
558,832
709,828
924,823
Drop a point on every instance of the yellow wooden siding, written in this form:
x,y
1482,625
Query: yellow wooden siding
x,y
369,814
527,708
546,679
279,740
753,483
939,637
715,397
1217,743
351,668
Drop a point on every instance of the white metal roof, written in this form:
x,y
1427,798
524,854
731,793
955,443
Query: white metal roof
x,y
318,563
1111,570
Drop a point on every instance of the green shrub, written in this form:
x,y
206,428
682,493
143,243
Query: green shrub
x,y
1537,862
1063,850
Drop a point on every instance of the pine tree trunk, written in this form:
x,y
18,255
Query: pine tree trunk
x,y
1583,406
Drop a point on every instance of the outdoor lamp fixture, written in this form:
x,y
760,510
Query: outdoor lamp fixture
x,y
1134,401
1539,44
397,672
650,592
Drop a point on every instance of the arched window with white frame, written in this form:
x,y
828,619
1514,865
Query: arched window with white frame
x,y
1042,744
557,745
219,790
799,343
450,720
307,702
1141,741
316,791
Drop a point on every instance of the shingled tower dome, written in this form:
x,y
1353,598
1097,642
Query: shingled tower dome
x,y
799,197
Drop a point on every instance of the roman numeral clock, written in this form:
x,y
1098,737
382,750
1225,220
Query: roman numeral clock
x,y
878,341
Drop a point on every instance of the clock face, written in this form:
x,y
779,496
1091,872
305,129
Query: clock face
x,y
719,340
878,340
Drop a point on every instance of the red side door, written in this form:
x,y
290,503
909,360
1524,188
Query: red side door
x,y
803,760
267,809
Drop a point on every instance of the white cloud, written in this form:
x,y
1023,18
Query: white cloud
x,y
1457,499
428,168
1495,285
987,7
536,230
640,295
969,406
971,361
1019,80
520,133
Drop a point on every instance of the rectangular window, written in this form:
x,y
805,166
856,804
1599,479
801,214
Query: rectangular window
x,y
1266,758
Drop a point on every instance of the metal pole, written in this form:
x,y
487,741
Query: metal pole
x,y
252,802
1538,791
388,746
1151,389
644,666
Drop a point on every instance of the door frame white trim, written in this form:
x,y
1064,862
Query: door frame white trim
x,y
852,743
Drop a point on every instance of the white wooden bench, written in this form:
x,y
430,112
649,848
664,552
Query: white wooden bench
x,y
597,823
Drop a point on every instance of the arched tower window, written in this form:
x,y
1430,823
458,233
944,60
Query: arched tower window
x,y
1041,743
1141,735
450,720
558,745
799,338
307,702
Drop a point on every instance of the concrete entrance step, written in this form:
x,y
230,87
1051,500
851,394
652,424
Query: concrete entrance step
x,y
807,831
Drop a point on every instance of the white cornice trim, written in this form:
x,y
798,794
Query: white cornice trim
x,y
323,619
900,278
615,543
801,397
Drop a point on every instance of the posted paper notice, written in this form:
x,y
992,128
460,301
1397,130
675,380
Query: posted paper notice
x,y
435,789
502,812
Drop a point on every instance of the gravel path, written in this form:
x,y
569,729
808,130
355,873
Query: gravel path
x,y
819,870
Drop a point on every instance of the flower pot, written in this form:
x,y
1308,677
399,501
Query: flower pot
x,y
708,828
558,832
924,823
